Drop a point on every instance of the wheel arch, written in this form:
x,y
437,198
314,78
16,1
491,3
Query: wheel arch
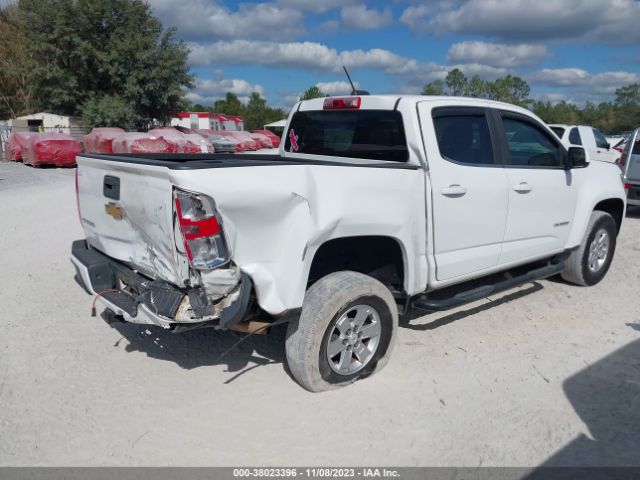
x,y
614,207
379,256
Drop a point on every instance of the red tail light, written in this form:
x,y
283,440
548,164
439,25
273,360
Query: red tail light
x,y
201,230
342,103
627,186
623,159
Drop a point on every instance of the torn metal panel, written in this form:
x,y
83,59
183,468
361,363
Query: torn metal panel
x,y
276,217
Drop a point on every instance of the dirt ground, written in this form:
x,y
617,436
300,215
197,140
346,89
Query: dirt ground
x,y
546,374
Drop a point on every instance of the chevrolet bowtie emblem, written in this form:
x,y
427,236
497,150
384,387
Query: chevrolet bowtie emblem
x,y
114,210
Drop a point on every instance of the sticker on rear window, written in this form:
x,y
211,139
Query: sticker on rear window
x,y
293,139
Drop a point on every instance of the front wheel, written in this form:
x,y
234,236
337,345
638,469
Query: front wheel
x,y
346,331
590,262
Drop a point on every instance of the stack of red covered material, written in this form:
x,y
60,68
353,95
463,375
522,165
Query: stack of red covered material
x,y
137,142
183,142
17,142
99,140
198,144
57,149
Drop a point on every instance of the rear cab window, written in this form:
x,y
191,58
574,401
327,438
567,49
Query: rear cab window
x,y
366,134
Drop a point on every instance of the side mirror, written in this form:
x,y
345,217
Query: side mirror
x,y
608,146
577,158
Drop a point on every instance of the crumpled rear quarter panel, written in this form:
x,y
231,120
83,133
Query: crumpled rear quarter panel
x,y
276,217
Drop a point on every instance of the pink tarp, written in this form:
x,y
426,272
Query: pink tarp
x,y
137,142
17,142
99,140
51,149
183,142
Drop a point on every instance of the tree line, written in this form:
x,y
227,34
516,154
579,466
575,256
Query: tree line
x,y
622,114
110,62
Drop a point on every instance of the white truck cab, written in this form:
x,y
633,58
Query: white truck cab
x,y
592,139
375,205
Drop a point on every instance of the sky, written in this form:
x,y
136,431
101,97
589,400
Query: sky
x,y
573,50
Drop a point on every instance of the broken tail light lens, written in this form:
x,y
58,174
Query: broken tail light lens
x,y
201,229
341,103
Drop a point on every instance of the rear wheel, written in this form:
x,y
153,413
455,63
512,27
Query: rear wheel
x,y
590,262
345,331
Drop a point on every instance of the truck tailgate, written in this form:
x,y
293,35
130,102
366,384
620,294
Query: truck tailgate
x,y
126,211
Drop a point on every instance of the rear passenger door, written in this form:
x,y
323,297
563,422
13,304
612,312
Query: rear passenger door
x,y
468,189
542,195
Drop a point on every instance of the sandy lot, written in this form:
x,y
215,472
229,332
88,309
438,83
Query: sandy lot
x,y
544,374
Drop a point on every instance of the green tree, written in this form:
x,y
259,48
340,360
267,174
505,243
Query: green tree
x,y
456,82
476,88
94,55
16,94
510,89
257,113
231,105
628,96
434,88
313,92
108,111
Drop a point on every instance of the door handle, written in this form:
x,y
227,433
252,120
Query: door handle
x,y
523,187
454,190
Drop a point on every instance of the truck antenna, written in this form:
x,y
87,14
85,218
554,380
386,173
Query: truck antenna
x,y
353,88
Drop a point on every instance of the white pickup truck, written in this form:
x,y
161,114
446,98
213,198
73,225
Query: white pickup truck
x,y
592,139
375,205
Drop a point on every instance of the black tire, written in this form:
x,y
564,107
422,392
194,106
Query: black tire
x,y
577,270
332,299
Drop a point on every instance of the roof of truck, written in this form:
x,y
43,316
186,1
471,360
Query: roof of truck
x,y
391,101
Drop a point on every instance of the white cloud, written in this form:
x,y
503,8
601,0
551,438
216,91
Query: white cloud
x,y
415,17
496,54
579,79
203,19
207,91
303,55
613,21
317,6
359,17
337,88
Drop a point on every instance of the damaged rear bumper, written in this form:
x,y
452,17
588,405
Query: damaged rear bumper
x,y
139,299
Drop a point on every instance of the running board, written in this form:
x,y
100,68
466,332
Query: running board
x,y
468,296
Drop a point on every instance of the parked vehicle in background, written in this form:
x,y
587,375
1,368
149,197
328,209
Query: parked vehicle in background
x,y
275,140
262,140
57,149
239,145
221,144
630,165
375,204
246,141
254,144
592,139
100,140
15,145
141,142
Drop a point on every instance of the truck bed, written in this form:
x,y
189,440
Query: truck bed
x,y
187,161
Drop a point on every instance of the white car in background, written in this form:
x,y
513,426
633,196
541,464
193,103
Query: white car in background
x,y
592,139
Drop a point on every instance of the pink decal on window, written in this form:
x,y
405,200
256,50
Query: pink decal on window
x,y
294,141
